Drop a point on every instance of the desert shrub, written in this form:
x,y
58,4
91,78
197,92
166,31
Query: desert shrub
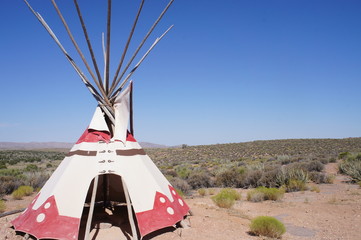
x,y
31,168
199,180
3,165
18,194
344,155
202,192
9,183
226,198
272,193
316,166
268,178
11,172
332,160
2,206
181,185
27,190
36,179
315,188
252,178
230,178
292,179
318,177
263,193
324,160
267,226
352,167
255,196
183,172
294,185
284,159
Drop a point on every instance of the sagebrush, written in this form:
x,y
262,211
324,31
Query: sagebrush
x,y
267,226
226,198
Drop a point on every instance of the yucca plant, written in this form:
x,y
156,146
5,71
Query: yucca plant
x,y
352,167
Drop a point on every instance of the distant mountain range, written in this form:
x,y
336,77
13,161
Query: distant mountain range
x,y
63,145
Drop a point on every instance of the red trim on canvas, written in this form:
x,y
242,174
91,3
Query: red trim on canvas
x,y
90,135
165,213
45,222
130,137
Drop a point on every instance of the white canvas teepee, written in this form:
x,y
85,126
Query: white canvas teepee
x,y
106,170
57,209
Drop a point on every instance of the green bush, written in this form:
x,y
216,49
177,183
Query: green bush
x,y
28,190
226,198
183,172
31,168
22,191
2,206
18,195
3,165
263,193
295,185
267,226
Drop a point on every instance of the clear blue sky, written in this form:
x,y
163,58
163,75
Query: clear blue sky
x,y
229,71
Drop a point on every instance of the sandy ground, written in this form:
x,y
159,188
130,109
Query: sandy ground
x,y
333,213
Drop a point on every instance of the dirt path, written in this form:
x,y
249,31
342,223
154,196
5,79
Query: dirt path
x,y
333,213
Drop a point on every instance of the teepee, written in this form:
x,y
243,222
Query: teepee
x,y
106,174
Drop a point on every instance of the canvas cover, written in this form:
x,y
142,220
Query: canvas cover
x,y
56,211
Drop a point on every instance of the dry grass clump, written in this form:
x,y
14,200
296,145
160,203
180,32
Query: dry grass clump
x,y
212,191
202,192
295,185
22,191
315,188
267,226
2,206
226,198
262,193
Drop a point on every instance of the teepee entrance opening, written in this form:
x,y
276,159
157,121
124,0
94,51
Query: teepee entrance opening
x,y
107,207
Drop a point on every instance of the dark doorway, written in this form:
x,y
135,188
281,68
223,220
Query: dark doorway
x,y
110,208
